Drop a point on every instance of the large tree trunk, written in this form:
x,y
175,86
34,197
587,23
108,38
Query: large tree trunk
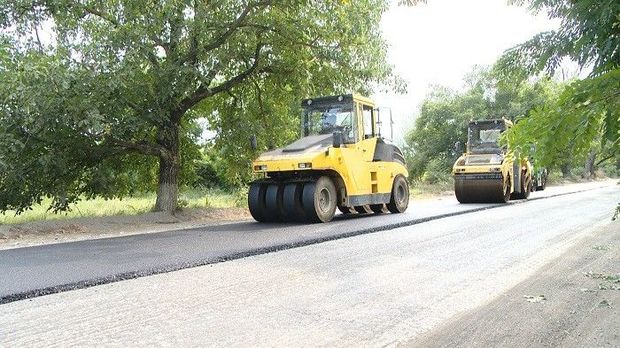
x,y
565,168
588,170
169,169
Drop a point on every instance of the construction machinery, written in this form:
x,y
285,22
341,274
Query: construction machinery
x,y
341,161
488,172
539,179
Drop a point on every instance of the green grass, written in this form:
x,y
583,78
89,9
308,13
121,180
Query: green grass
x,y
421,189
127,206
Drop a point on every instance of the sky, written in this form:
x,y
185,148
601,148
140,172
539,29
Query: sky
x,y
440,42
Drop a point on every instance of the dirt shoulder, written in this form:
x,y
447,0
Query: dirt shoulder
x,y
573,301
58,231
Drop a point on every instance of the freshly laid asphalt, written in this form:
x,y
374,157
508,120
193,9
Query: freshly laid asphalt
x,y
40,270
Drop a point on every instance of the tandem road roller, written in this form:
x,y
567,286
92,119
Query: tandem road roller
x,y
488,172
340,162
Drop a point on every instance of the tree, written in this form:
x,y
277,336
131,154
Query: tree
x,y
588,110
117,89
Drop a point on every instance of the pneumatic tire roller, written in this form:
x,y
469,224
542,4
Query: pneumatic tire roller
x,y
340,162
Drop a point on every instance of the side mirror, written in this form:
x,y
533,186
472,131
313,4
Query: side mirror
x,y
338,139
458,147
253,142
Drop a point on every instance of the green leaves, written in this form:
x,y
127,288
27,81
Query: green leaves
x,y
586,114
589,34
93,109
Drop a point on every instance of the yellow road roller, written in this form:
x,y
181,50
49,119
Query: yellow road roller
x,y
488,172
341,161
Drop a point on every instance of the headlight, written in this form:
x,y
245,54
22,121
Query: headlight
x,y
305,165
460,162
260,168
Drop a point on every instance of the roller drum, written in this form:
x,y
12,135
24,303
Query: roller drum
x,y
479,189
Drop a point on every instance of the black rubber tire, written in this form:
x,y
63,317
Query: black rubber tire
x,y
399,201
346,210
273,203
363,209
292,208
320,200
377,208
526,189
543,183
507,188
256,201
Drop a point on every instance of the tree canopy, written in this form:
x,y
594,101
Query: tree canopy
x,y
108,103
587,113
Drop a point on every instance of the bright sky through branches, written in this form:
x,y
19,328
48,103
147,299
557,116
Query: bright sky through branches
x,y
441,41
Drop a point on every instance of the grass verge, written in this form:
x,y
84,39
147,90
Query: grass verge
x,y
139,204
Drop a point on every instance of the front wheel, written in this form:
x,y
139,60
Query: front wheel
x,y
320,200
399,201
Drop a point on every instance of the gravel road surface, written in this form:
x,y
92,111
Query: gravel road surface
x,y
382,288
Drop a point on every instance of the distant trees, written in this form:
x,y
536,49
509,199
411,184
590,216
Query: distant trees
x,y
108,104
445,113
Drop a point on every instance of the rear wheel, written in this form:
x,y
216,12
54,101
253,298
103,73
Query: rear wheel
x,y
507,187
256,201
543,183
526,188
319,200
399,200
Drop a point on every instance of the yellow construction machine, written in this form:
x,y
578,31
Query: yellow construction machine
x,y
488,172
341,161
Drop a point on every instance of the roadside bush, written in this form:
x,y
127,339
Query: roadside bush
x,y
436,171
206,175
610,170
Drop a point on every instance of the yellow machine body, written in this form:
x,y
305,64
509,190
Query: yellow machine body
x,y
363,166
490,173
353,163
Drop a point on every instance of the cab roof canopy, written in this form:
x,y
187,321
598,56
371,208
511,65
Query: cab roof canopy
x,y
336,99
499,121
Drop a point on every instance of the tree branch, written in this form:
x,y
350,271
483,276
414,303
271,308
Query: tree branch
x,y
203,91
235,25
101,15
142,147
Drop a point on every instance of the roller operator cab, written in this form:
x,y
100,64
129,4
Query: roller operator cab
x,y
341,161
488,172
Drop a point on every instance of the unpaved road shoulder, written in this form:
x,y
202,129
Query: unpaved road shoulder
x,y
573,301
